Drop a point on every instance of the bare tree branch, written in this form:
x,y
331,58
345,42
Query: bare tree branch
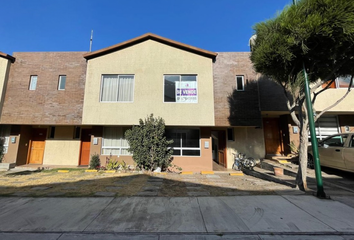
x,y
337,102
315,94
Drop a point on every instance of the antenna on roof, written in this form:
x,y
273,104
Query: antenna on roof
x,y
91,40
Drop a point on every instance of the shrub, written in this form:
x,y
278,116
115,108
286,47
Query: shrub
x,y
95,161
148,144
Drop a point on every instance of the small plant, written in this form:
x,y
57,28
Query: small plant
x,y
101,168
123,166
95,161
2,148
112,164
293,148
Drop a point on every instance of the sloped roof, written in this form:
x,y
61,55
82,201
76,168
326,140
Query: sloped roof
x,y
7,56
154,37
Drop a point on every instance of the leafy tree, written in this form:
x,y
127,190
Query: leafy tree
x,y
317,34
149,145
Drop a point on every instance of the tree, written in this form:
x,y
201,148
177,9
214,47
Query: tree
x,y
317,35
149,145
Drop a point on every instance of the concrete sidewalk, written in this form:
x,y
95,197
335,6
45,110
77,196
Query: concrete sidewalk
x,y
234,217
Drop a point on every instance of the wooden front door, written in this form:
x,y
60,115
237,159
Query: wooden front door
x,y
272,136
37,145
85,147
222,148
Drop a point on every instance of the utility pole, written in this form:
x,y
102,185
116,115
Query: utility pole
x,y
91,40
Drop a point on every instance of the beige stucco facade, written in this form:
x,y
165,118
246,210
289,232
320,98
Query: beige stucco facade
x,y
148,61
248,140
61,152
330,96
4,72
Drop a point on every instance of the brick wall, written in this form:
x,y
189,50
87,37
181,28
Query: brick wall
x,y
235,108
271,95
46,104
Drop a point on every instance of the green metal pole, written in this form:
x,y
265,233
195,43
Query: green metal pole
x,y
316,158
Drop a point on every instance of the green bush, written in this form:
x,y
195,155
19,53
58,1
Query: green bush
x,y
148,144
95,161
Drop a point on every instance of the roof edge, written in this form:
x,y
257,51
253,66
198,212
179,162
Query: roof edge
x,y
7,56
152,36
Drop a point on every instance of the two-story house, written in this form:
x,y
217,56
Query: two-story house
x,y
42,107
59,108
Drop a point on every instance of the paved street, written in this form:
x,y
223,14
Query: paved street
x,y
260,217
207,207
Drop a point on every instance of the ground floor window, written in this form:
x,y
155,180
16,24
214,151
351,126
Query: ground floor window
x,y
114,142
5,142
186,142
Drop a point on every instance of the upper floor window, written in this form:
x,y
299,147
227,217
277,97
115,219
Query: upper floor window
x,y
33,82
343,82
340,82
117,88
180,88
61,83
240,83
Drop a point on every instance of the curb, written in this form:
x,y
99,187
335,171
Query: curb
x,y
237,174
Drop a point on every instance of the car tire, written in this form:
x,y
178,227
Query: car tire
x,y
310,162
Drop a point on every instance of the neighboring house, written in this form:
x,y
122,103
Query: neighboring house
x,y
43,107
5,64
237,107
279,129
59,108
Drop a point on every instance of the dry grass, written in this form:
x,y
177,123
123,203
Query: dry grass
x,y
77,183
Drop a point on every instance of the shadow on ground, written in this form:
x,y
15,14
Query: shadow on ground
x,y
82,184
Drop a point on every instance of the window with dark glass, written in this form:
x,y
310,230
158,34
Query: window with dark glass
x,y
62,82
186,142
240,83
180,88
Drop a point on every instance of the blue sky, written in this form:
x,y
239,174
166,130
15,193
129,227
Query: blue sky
x,y
65,25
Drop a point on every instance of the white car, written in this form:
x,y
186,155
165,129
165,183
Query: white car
x,y
336,151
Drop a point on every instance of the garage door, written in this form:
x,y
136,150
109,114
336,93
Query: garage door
x,y
326,126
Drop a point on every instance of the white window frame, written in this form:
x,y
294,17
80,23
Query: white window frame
x,y
118,75
243,83
181,148
6,144
115,147
337,84
180,79
59,82
33,85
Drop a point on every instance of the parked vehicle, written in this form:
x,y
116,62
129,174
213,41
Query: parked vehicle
x,y
241,161
336,151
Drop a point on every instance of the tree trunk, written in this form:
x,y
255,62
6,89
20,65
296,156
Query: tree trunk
x,y
301,178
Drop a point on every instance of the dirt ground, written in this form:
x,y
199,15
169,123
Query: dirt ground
x,y
77,183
